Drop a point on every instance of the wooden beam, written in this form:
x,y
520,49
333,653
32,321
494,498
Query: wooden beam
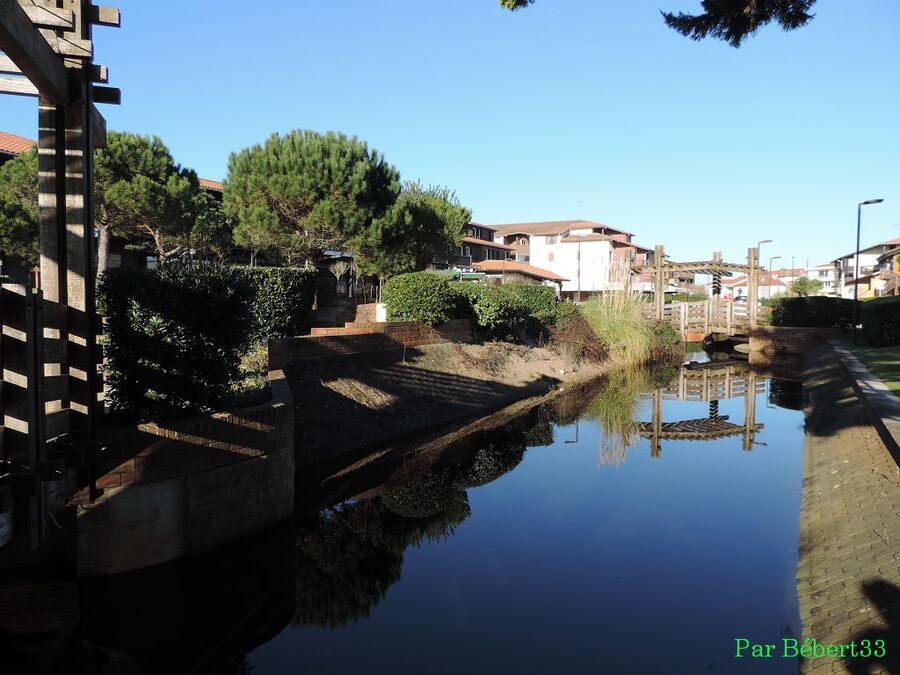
x,y
98,73
98,128
30,52
109,95
50,17
104,16
17,86
67,45
7,67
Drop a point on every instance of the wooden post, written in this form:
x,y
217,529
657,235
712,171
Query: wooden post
x,y
749,410
753,285
655,447
659,289
683,318
706,311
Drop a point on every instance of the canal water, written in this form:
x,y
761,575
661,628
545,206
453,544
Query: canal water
x,y
641,526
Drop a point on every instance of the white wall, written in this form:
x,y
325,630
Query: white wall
x,y
595,259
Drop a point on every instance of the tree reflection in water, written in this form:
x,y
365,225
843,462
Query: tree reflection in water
x,y
350,554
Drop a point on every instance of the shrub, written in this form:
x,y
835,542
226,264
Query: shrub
x,y
813,312
499,311
538,299
173,337
881,321
618,320
571,334
419,296
283,298
666,339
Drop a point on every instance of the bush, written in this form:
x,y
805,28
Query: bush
x,y
540,300
419,296
666,339
813,312
173,337
499,311
881,321
283,300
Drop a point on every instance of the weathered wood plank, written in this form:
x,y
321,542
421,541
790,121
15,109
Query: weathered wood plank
x,y
68,45
104,16
17,86
7,67
30,52
98,128
98,73
50,17
108,95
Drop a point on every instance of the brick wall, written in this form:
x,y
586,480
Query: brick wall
x,y
185,487
364,338
366,313
773,340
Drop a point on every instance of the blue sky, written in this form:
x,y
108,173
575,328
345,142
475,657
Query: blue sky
x,y
573,108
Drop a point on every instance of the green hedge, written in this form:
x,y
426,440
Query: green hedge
x,y
881,321
283,300
419,296
813,312
537,298
498,310
173,337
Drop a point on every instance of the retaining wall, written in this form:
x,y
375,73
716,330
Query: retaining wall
x,y
783,340
363,337
185,487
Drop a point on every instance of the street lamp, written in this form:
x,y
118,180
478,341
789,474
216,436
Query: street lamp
x,y
759,246
859,206
769,285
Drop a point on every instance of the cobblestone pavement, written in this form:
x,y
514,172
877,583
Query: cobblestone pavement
x,y
848,577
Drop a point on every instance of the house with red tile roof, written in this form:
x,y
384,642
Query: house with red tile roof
x,y
479,245
506,271
590,257
13,146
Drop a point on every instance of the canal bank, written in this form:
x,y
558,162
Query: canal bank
x,y
849,570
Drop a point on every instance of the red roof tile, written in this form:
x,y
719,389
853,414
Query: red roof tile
x,y
518,267
551,227
11,144
208,184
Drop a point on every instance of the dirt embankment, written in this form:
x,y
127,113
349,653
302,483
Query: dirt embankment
x,y
351,403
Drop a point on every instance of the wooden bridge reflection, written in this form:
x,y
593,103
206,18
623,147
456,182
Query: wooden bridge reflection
x,y
708,383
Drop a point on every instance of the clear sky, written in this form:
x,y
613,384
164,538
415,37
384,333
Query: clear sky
x,y
572,108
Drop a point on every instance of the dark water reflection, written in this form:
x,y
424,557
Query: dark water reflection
x,y
599,534
567,543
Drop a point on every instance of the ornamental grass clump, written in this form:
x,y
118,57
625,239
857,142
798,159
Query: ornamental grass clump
x,y
617,318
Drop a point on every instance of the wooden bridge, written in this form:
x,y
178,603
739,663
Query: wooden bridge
x,y
706,383
696,320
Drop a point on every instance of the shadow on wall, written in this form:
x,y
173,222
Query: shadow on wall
x,y
886,597
364,400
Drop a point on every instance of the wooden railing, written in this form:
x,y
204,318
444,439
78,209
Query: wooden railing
x,y
706,316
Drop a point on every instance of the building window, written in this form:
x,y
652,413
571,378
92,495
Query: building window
x,y
551,240
550,256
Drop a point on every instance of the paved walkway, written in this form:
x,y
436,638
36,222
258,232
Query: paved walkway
x,y
849,570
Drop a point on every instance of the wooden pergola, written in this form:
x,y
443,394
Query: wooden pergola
x,y
48,352
716,268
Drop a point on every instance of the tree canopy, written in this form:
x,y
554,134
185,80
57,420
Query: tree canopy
x,y
424,224
729,20
806,286
19,223
144,196
303,193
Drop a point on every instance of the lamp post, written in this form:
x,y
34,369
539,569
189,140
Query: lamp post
x,y
859,206
759,247
769,285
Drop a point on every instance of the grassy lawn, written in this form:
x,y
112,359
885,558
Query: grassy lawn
x,y
883,361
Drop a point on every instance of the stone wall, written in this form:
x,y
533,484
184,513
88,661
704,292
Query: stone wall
x,y
185,487
365,338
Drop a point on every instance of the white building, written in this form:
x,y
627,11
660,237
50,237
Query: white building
x,y
825,273
590,256
845,266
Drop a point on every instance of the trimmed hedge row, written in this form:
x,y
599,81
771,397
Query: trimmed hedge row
x,y
174,336
813,312
498,310
283,300
881,321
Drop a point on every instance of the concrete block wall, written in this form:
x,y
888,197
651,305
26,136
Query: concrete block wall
x,y
185,487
